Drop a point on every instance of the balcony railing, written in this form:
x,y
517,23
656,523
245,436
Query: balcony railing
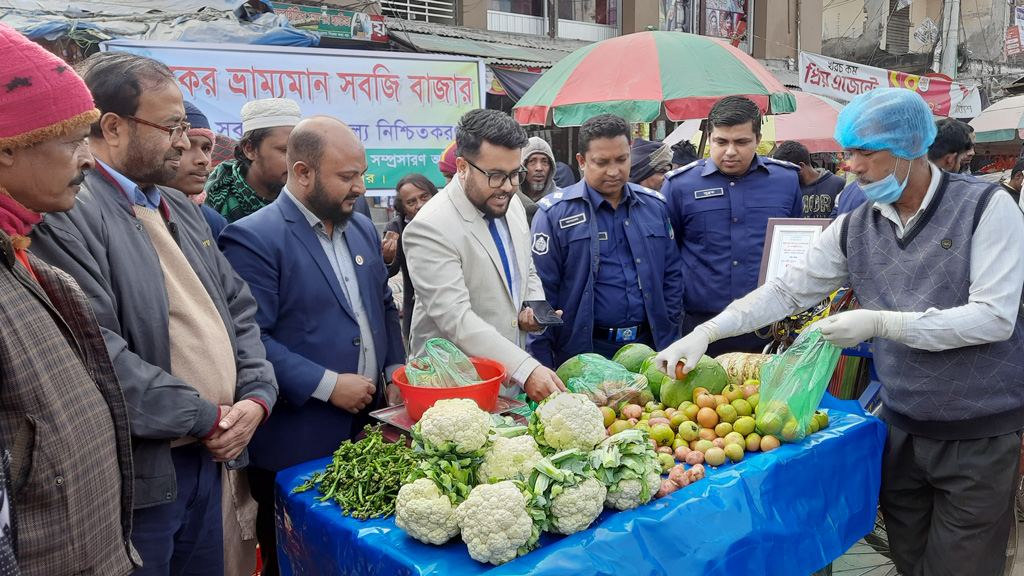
x,y
522,24
440,11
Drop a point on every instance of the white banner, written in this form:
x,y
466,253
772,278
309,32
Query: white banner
x,y
843,80
404,107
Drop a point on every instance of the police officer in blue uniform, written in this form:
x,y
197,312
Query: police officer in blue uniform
x,y
720,209
605,252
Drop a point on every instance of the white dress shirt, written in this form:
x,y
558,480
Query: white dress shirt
x,y
997,278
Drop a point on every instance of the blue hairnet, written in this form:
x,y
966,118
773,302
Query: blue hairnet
x,y
893,119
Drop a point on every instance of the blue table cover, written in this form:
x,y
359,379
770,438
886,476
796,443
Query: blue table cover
x,y
788,512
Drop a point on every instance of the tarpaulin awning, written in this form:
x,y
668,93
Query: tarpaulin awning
x,y
789,511
186,21
514,82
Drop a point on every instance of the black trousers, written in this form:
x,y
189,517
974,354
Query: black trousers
x,y
948,504
261,486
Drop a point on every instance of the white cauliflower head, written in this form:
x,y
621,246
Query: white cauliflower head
x,y
577,506
508,458
425,512
567,420
495,523
628,495
456,423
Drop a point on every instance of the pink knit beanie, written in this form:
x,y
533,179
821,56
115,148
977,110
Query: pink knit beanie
x,y
41,97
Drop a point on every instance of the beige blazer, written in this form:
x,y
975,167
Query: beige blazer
x,y
461,291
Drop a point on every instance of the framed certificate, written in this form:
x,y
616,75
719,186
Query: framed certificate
x,y
786,242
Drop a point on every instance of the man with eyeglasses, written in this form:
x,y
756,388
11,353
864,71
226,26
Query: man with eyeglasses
x,y
605,253
176,319
468,253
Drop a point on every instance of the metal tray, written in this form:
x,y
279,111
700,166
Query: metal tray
x,y
398,417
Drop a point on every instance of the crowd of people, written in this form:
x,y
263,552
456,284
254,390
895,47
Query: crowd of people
x,y
176,333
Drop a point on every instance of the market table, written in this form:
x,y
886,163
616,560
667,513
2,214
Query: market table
x,y
788,512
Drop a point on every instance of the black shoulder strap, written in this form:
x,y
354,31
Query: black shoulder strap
x,y
844,233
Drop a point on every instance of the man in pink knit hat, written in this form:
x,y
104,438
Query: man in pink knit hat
x,y
62,416
177,320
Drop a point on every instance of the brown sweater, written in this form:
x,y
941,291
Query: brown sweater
x,y
201,353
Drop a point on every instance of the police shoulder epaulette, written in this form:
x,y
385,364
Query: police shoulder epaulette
x,y
682,169
650,192
549,201
780,162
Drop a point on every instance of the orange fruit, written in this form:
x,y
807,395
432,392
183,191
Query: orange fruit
x,y
769,443
707,434
707,417
704,400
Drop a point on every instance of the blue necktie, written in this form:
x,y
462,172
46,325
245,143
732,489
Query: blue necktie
x,y
501,251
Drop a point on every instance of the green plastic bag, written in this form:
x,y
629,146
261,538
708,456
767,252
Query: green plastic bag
x,y
526,410
445,366
792,384
608,383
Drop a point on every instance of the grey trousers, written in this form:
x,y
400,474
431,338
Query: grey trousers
x,y
948,504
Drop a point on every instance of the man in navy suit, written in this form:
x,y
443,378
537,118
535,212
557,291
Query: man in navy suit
x,y
326,313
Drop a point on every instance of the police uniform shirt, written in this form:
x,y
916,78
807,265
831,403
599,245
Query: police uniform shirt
x,y
618,301
720,223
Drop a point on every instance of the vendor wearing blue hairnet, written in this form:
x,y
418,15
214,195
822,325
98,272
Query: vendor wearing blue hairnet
x,y
936,262
720,208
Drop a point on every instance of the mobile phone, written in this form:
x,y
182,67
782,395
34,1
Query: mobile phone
x,y
543,313
391,235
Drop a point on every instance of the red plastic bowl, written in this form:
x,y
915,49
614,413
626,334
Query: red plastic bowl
x,y
418,398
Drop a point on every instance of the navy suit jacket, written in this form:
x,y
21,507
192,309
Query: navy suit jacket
x,y
308,325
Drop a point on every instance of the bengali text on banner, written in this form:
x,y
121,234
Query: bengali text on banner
x,y
404,108
843,80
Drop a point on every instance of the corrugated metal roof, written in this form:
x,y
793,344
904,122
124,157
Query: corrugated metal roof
x,y
498,48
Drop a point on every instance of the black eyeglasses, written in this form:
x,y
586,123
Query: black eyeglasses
x,y
497,179
174,132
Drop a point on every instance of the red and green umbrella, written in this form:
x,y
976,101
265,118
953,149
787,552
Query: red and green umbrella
x,y
637,76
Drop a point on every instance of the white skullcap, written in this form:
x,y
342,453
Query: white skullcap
x,y
270,113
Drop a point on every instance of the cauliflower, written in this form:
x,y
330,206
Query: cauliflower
x,y
455,424
566,420
577,506
628,466
565,496
425,512
629,493
508,459
495,523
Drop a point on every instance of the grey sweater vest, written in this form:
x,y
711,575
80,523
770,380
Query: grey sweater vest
x,y
958,394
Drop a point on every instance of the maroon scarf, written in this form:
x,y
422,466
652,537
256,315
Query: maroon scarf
x,y
16,220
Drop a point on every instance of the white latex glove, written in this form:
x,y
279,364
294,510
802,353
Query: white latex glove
x,y
848,329
688,349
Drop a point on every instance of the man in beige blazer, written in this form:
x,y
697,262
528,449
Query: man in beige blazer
x,y
468,253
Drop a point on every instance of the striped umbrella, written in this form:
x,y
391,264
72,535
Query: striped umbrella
x,y
639,76
1001,121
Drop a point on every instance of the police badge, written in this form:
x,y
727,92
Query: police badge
x,y
540,243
